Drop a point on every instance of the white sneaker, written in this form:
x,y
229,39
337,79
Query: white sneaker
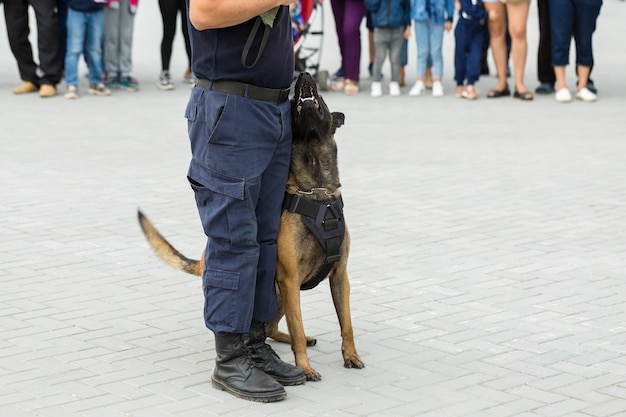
x,y
394,89
165,82
563,95
437,89
418,89
376,89
71,92
586,95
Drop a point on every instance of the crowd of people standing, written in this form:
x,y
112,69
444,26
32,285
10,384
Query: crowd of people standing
x,y
500,25
101,31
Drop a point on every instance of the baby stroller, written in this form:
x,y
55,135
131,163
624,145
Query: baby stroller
x,y
307,17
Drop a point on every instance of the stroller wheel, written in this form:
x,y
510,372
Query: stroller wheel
x,y
323,80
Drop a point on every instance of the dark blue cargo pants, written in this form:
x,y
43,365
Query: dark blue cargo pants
x,y
241,149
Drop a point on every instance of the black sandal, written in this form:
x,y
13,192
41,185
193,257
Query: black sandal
x,y
499,93
524,96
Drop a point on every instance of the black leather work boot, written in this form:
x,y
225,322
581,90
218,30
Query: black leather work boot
x,y
235,372
268,361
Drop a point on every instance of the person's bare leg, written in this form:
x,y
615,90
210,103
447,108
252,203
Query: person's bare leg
x,y
517,18
559,73
583,76
497,42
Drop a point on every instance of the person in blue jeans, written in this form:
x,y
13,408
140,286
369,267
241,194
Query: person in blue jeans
x,y
431,18
575,18
85,31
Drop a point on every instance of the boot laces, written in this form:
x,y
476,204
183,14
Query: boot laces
x,y
263,349
247,355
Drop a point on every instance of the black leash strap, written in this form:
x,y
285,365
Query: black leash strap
x,y
248,45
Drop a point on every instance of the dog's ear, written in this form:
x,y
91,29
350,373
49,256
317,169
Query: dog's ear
x,y
338,119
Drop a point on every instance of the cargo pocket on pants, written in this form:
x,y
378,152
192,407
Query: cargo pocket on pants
x,y
220,305
225,212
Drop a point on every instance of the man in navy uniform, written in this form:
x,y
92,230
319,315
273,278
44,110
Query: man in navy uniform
x,y
239,125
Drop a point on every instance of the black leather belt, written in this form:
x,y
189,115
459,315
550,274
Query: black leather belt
x,y
273,95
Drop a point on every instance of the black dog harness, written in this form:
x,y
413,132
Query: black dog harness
x,y
325,221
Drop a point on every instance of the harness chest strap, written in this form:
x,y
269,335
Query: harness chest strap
x,y
326,222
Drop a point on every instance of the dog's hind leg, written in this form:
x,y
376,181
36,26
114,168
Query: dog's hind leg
x,y
272,331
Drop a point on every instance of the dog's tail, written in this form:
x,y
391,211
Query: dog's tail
x,y
166,251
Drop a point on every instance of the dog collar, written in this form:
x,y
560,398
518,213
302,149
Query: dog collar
x,y
322,190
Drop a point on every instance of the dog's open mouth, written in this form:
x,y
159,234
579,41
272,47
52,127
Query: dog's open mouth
x,y
307,96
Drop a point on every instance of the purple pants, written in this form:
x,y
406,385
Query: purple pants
x,y
348,17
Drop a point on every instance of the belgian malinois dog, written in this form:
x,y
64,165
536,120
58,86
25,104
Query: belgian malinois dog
x,y
313,241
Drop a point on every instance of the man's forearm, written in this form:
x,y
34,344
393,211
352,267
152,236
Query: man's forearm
x,y
215,14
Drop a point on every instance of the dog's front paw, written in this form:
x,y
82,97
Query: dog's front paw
x,y
312,374
311,341
352,361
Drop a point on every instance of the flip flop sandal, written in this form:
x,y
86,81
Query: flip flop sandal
x,y
524,96
499,93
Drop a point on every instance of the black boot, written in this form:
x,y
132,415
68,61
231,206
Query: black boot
x,y
268,361
236,374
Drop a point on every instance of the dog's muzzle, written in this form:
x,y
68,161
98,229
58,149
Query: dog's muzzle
x,y
306,94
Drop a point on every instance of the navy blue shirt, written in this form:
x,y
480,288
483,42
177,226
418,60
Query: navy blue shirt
x,y
86,5
216,53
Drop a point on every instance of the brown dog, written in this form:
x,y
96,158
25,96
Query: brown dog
x,y
313,241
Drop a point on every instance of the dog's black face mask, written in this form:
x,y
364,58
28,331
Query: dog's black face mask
x,y
314,151
311,117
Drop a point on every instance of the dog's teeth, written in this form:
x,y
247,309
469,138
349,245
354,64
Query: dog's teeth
x,y
302,99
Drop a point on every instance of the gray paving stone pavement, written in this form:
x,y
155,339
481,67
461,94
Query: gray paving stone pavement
x,y
487,264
